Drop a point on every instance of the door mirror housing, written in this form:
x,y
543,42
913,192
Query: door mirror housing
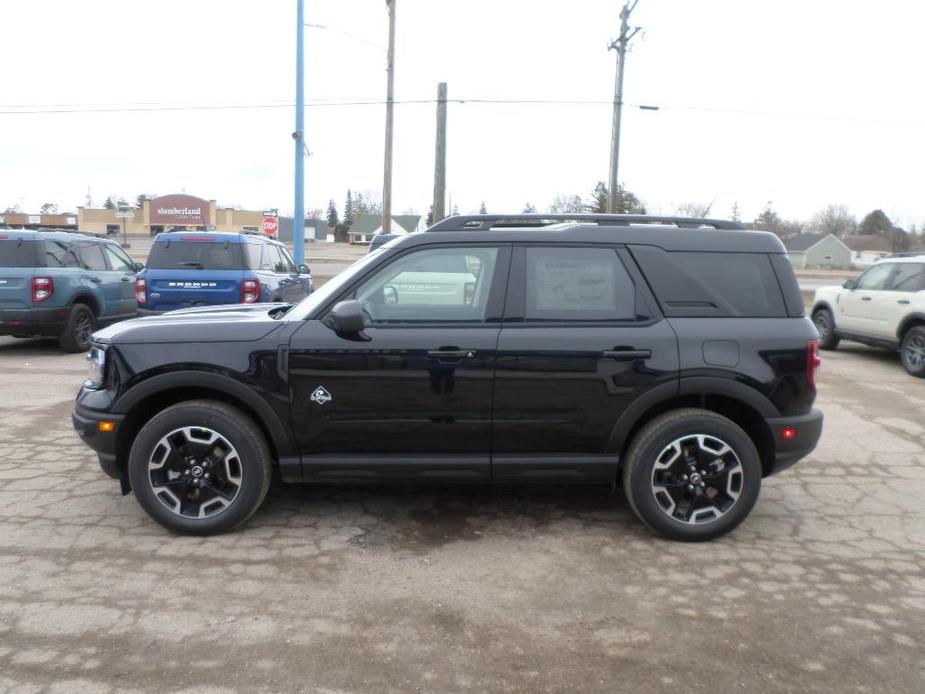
x,y
138,266
850,284
304,269
348,317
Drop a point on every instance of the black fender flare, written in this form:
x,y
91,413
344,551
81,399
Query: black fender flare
x,y
85,297
695,385
281,439
917,317
823,304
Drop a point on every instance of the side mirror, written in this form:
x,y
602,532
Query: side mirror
x,y
304,269
850,284
348,317
138,266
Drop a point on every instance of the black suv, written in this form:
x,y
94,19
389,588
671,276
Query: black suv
x,y
668,355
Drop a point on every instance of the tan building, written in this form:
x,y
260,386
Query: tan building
x,y
165,213
21,220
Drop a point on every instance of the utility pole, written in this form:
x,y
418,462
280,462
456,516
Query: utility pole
x,y
619,45
440,156
298,211
389,99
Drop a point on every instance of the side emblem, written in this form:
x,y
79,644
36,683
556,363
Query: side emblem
x,y
320,395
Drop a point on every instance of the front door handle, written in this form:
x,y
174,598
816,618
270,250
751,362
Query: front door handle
x,y
126,279
865,298
95,280
904,301
451,354
627,354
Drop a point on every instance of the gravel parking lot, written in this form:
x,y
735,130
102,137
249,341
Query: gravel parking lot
x,y
446,589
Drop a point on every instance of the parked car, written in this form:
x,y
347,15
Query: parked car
x,y
63,285
189,268
616,349
884,307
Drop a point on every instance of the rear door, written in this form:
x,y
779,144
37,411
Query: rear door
x,y
410,397
122,265
192,271
580,343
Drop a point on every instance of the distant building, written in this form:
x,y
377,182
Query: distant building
x,y
22,220
817,251
366,225
867,249
315,230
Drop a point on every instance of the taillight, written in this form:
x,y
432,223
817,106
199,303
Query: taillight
x,y
141,291
813,361
42,288
250,291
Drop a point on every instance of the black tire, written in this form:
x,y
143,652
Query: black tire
x,y
825,326
912,351
253,466
649,448
77,329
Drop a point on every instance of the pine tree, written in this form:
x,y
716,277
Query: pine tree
x,y
598,199
349,208
455,212
529,208
482,208
333,219
110,204
735,212
430,216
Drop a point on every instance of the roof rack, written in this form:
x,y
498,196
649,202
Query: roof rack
x,y
496,221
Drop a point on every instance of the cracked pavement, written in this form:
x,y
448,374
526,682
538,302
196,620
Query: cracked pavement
x,y
351,588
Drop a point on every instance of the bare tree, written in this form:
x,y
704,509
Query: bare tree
x,y
834,219
567,204
49,208
697,210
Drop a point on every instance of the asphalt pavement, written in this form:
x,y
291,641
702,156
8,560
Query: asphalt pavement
x,y
445,589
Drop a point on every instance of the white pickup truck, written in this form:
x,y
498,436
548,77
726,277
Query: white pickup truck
x,y
884,307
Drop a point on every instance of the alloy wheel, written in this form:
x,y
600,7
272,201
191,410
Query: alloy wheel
x,y
195,472
697,479
821,321
915,351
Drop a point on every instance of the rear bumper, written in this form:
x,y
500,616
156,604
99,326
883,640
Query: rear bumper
x,y
803,433
32,321
142,312
86,424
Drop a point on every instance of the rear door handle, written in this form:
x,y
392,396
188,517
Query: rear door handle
x,y
626,354
865,298
451,354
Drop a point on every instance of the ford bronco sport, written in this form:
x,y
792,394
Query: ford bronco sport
x,y
668,355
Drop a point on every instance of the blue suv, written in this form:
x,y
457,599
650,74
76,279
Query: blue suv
x,y
64,285
204,268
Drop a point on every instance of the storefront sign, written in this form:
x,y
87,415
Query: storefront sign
x,y
180,209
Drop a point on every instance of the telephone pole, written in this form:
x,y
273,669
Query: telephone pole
x,y
440,156
389,103
619,45
298,135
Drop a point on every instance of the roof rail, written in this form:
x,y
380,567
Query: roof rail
x,y
494,221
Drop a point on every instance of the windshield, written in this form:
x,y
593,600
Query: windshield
x,y
332,287
198,254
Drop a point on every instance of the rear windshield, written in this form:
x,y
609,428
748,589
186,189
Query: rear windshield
x,y
17,253
203,254
697,284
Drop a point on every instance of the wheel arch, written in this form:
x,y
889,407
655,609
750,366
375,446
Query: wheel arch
x,y
743,405
88,299
143,401
910,321
824,303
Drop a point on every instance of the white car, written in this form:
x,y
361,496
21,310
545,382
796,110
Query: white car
x,y
884,307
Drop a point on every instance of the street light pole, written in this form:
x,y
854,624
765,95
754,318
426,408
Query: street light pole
x,y
298,213
390,93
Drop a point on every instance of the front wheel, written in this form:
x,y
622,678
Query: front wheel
x,y
692,475
825,326
200,467
912,351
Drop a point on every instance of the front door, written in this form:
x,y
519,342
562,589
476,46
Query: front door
x,y
578,346
411,396
857,308
121,264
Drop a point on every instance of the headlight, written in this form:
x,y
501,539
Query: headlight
x,y
96,363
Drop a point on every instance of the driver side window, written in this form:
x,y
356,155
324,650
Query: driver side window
x,y
439,285
875,278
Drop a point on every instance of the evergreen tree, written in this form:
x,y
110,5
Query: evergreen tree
x,y
455,212
598,199
769,219
875,223
734,216
430,216
110,204
482,208
349,208
333,219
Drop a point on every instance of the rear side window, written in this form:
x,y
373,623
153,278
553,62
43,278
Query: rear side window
x,y
695,284
18,253
204,254
91,256
59,254
577,284
909,277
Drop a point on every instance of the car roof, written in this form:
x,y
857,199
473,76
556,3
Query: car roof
x,y
59,234
901,259
669,238
172,236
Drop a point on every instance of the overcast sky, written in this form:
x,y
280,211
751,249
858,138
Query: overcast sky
x,y
802,103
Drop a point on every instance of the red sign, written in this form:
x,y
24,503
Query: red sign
x,y
271,226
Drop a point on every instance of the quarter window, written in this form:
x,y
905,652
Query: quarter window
x,y
60,254
909,277
446,285
577,284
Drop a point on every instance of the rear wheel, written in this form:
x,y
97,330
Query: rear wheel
x,y
200,467
77,329
825,326
912,351
692,475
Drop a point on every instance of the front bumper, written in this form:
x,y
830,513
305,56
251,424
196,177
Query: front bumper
x,y
802,434
32,321
86,424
